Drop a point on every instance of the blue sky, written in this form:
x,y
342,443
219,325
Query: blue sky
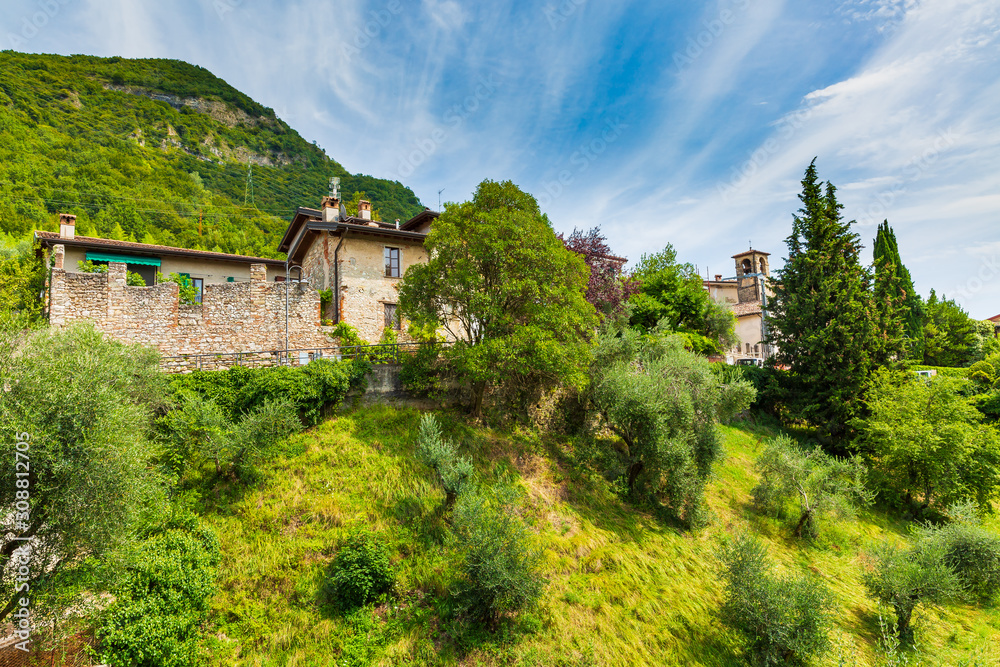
x,y
686,123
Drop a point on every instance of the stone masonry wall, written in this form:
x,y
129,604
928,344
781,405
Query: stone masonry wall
x,y
233,317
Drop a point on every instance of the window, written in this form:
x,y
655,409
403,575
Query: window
x,y
392,262
391,316
199,284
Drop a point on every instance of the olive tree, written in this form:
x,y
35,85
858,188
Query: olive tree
x,y
664,403
83,405
821,483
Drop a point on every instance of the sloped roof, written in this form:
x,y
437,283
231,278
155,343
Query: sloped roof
x,y
53,238
747,308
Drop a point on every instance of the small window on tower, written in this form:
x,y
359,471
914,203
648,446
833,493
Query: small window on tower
x,y
391,316
392,262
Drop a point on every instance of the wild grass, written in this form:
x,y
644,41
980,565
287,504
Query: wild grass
x,y
623,588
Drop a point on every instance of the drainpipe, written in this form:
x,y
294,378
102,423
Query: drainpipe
x,y
336,278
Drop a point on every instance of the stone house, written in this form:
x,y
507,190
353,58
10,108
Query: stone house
x,y
356,261
746,296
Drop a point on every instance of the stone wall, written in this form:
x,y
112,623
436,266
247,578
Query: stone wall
x,y
233,317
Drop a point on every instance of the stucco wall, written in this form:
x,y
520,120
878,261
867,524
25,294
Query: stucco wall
x,y
233,317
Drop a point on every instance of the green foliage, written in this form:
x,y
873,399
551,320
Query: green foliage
x,y
951,337
361,572
82,134
421,374
674,293
320,385
351,206
499,566
347,335
86,404
822,317
904,578
441,456
822,484
664,403
133,279
22,279
969,549
899,307
783,620
502,283
161,601
926,445
198,430
187,293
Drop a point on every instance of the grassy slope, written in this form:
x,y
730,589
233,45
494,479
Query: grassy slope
x,y
624,589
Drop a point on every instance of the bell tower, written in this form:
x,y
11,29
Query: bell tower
x,y
752,271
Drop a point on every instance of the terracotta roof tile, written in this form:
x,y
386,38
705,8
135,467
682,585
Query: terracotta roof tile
x,y
748,308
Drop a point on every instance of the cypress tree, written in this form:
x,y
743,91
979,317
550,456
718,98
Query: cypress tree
x,y
822,316
894,292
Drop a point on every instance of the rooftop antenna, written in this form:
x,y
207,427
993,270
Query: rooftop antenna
x,y
439,199
335,187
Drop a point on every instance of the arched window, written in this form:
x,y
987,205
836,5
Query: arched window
x,y
763,265
747,267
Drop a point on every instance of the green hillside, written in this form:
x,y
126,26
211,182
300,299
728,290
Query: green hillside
x,y
624,588
145,149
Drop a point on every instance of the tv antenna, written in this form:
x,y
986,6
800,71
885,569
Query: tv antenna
x,y
439,199
335,187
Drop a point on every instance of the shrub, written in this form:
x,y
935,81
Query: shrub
x,y
421,371
969,549
360,573
441,456
187,293
132,279
783,620
499,567
821,483
904,578
161,601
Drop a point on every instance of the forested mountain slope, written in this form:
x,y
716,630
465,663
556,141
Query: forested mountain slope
x,y
158,151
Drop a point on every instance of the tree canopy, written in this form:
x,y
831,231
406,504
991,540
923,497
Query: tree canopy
x,y
500,281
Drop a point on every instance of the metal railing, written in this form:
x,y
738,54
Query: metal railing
x,y
379,353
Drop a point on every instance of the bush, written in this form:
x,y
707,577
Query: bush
x,y
969,549
421,372
441,456
499,568
783,620
821,483
360,573
161,601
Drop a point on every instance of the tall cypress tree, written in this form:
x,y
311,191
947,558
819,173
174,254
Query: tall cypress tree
x,y
894,293
822,316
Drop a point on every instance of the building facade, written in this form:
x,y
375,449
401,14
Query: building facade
x,y
746,295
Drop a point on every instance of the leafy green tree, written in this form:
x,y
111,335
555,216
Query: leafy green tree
x,y
441,456
499,566
664,403
926,444
84,405
783,620
500,282
674,293
822,484
903,578
951,337
897,306
822,317
22,279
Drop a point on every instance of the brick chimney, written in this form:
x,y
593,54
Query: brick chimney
x,y
718,277
331,209
67,226
365,209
